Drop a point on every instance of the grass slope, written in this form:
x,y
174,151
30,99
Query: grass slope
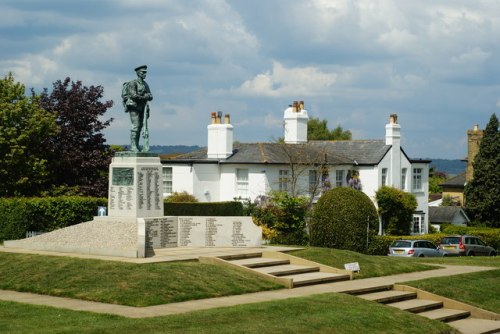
x,y
327,313
371,266
478,289
124,283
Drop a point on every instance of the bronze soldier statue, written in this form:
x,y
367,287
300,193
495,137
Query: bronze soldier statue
x,y
136,95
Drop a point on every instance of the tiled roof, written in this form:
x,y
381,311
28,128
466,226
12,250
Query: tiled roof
x,y
443,214
362,152
457,181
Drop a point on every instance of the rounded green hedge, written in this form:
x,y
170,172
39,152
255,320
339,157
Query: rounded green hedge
x,y
339,220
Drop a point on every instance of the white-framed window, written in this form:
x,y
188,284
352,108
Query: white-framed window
x,y
339,178
313,182
403,178
417,179
167,180
242,182
283,180
384,176
418,224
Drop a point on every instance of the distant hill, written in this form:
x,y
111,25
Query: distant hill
x,y
170,149
451,167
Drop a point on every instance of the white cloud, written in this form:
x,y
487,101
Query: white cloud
x,y
398,40
472,57
32,70
285,82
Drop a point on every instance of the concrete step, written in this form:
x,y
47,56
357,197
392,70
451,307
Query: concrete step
x,y
258,262
417,305
476,326
445,314
369,289
391,296
240,256
287,269
316,278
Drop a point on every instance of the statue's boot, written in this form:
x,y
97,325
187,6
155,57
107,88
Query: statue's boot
x,y
134,141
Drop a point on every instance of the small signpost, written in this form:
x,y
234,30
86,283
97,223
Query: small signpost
x,y
354,266
101,211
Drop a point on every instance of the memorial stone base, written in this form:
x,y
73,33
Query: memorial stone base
x,y
136,224
135,181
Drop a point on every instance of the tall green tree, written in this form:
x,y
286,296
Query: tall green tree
x,y
396,209
435,179
482,193
318,130
81,157
25,130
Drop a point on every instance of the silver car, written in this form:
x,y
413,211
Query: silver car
x,y
413,248
465,245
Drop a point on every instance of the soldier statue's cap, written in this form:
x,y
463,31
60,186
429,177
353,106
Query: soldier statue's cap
x,y
142,68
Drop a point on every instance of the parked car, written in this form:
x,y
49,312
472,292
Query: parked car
x,y
413,248
465,245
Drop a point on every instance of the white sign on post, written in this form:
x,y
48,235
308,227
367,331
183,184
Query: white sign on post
x,y
354,266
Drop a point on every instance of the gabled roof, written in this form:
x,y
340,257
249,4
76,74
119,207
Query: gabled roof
x,y
361,152
445,214
457,181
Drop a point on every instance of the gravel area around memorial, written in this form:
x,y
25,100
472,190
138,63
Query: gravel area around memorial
x,y
99,233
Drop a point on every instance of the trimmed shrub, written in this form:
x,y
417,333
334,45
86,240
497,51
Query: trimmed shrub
x,y
46,214
203,209
339,220
282,218
396,208
181,197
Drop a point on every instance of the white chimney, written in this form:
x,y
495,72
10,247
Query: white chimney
x,y
220,137
393,138
296,118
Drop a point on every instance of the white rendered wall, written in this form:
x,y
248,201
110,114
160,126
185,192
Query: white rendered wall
x,y
393,138
295,126
182,178
220,141
422,196
206,180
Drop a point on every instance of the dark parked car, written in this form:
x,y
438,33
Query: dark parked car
x,y
465,245
413,248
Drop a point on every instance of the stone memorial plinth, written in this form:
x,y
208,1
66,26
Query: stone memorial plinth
x,y
199,231
135,185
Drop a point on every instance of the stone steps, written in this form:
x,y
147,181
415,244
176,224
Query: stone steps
x,y
259,262
476,326
417,305
287,269
445,314
432,308
316,278
391,296
291,271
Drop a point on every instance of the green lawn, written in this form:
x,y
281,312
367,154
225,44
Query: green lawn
x,y
327,313
151,284
371,266
124,283
480,289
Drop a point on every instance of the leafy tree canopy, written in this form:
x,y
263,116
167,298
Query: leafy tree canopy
x,y
25,130
396,208
482,193
318,130
435,179
81,157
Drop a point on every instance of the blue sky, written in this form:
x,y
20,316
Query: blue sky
x,y
434,63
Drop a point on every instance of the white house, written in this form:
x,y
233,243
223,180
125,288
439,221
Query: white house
x,y
223,172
